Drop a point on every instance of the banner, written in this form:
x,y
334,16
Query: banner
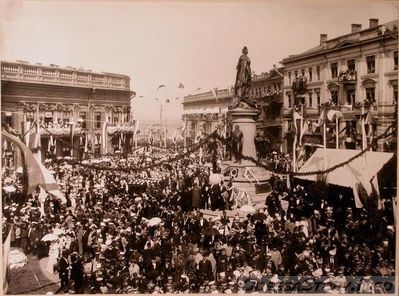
x,y
6,252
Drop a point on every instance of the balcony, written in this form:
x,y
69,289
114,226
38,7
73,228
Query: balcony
x,y
348,76
65,76
299,85
59,130
122,128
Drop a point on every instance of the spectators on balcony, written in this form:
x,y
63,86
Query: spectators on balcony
x,y
347,75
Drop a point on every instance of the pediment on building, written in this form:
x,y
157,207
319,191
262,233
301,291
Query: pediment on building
x,y
332,86
275,74
369,82
345,43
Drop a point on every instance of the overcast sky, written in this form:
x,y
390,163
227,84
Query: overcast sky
x,y
197,44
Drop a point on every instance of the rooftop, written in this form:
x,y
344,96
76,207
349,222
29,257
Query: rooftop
x,y
356,37
53,74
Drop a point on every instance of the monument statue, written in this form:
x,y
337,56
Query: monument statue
x,y
243,83
238,141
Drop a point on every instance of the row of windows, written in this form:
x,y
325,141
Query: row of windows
x,y
351,66
64,118
350,97
257,91
302,72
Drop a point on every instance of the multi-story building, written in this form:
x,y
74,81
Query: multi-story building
x,y
60,97
355,73
266,88
203,112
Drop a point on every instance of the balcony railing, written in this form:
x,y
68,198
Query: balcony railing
x,y
348,76
299,85
60,130
124,127
54,74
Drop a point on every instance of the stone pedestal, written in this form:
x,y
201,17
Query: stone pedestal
x,y
250,177
246,120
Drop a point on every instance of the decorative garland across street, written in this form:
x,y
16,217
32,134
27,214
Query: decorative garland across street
x,y
214,135
320,172
195,148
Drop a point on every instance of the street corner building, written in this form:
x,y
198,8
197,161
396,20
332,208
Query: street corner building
x,y
357,75
76,110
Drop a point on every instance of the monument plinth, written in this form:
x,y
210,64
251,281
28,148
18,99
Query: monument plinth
x,y
247,175
243,111
246,120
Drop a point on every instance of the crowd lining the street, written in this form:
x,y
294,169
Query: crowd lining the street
x,y
145,232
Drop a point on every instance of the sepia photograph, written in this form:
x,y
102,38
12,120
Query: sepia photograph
x,y
199,147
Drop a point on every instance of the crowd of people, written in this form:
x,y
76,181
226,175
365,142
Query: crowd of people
x,y
146,232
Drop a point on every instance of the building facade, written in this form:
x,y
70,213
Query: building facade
x,y
203,112
355,73
266,88
60,98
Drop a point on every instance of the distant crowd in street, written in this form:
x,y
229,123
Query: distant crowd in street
x,y
146,232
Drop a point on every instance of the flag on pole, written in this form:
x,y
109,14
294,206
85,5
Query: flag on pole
x,y
296,116
86,143
214,92
160,86
36,173
181,85
304,130
104,135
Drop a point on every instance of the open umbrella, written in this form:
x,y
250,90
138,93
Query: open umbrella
x,y
9,188
154,221
247,209
215,179
49,237
67,157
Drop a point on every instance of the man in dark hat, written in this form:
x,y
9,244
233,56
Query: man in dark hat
x,y
64,271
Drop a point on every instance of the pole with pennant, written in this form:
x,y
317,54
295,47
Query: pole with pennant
x,y
364,138
336,133
324,115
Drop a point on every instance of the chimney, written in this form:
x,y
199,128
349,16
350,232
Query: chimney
x,y
356,28
323,39
373,23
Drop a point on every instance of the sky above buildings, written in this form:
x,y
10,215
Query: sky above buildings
x,y
196,43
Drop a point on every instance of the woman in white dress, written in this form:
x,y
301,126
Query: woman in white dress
x,y
54,254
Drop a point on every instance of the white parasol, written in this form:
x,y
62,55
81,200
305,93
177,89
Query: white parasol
x,y
9,188
154,221
49,237
215,179
247,209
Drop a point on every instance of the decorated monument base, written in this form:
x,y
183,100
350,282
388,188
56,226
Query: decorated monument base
x,y
247,176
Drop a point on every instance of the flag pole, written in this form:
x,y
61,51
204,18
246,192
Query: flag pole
x,y
336,133
294,150
364,140
324,142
